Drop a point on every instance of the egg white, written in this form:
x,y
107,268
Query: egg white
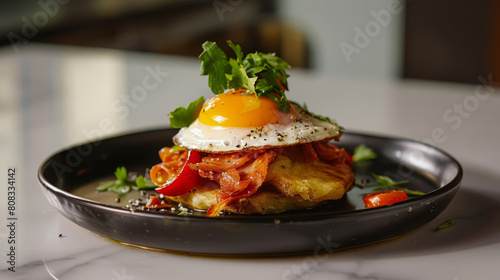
x,y
218,139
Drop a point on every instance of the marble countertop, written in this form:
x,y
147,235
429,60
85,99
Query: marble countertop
x,y
52,97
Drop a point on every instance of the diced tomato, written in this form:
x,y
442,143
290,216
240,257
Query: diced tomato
x,y
381,198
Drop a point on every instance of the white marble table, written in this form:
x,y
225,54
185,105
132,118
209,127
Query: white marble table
x,y
52,97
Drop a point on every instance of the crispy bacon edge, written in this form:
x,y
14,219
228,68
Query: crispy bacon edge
x,y
241,174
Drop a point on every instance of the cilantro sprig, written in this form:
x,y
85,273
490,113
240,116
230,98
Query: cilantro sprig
x,y
362,153
182,117
445,225
123,184
387,183
260,73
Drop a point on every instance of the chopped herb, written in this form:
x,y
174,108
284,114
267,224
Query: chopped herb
x,y
385,182
182,117
259,73
183,213
362,153
123,184
446,225
214,64
237,50
143,184
121,174
262,74
412,192
105,186
119,188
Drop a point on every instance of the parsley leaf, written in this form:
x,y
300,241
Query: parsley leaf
x,y
237,50
259,73
143,184
385,182
123,184
105,186
182,117
121,174
362,153
183,213
214,64
412,192
140,182
239,77
268,85
119,188
445,225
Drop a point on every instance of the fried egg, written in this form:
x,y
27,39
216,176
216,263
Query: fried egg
x,y
233,121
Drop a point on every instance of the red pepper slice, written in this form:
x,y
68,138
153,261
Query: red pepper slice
x,y
279,82
185,180
381,198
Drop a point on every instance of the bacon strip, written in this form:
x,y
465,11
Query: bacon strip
x,y
309,152
330,152
240,174
223,162
236,182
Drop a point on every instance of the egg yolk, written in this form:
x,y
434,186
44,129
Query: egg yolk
x,y
233,109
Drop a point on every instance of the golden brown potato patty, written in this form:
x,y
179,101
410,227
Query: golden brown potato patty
x,y
291,184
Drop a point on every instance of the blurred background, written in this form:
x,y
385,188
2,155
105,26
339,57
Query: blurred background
x,y
79,71
455,41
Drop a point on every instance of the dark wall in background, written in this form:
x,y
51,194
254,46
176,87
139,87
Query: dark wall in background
x,y
451,40
160,26
444,40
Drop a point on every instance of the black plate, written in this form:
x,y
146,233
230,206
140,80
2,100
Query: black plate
x,y
334,225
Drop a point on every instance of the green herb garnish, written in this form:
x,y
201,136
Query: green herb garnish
x,y
183,213
259,73
182,117
214,64
123,184
142,184
362,153
412,192
121,174
262,74
386,183
446,225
